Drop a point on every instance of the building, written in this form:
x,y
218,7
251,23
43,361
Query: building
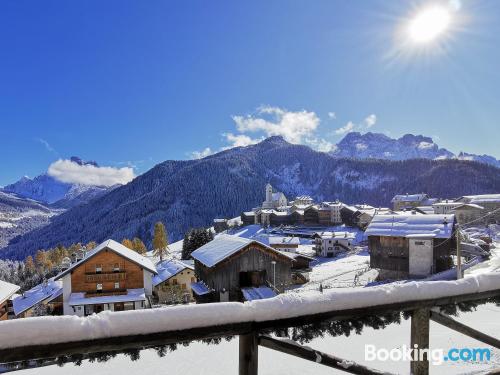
x,y
490,204
7,290
45,298
173,282
110,277
304,200
405,201
470,213
330,244
229,264
335,207
411,246
288,244
444,207
220,225
248,218
274,199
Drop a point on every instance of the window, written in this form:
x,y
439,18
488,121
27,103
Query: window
x,y
116,267
99,287
98,268
117,285
183,286
193,280
174,281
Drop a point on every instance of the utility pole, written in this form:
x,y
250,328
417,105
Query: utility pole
x,y
459,255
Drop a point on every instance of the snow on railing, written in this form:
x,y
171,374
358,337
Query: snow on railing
x,y
61,329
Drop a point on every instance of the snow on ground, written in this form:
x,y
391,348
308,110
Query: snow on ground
x,y
199,358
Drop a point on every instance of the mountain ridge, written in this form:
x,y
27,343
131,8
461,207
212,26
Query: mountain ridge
x,y
190,193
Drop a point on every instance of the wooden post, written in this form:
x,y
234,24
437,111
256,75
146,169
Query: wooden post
x,y
420,340
459,256
249,354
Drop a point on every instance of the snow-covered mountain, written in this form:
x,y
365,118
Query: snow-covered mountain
x,y
379,146
191,193
48,190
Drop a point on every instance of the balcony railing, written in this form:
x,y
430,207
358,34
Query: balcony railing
x,y
107,276
112,292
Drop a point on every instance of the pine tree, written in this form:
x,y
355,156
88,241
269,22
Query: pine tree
x,y
138,246
160,241
127,243
186,246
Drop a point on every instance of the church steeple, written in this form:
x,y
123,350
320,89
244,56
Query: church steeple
x,y
269,193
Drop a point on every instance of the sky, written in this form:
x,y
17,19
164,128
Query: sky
x,y
130,84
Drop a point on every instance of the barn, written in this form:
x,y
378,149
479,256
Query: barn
x,y
228,265
411,246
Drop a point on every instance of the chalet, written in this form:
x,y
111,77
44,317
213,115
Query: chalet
x,y
110,277
173,282
403,201
228,264
7,290
329,244
415,246
311,215
289,244
47,297
490,204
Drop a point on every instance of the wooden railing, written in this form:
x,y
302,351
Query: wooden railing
x,y
255,333
113,292
108,276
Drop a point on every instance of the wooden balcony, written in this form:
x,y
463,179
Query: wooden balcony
x,y
113,292
106,276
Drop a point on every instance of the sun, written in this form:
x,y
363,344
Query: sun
x,y
429,24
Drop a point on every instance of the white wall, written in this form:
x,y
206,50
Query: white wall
x,y
67,309
148,282
421,257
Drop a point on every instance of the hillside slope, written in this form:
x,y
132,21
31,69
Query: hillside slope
x,y
186,194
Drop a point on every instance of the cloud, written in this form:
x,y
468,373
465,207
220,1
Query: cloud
x,y
240,140
70,172
47,145
349,127
332,115
201,154
367,123
293,126
321,144
370,121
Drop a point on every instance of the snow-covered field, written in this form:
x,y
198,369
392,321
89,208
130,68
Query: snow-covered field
x,y
204,359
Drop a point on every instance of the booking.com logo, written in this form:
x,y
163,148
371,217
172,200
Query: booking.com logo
x,y
435,356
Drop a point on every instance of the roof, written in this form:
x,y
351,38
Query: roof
x,y
284,240
408,225
7,290
409,197
45,291
199,288
119,249
329,235
222,247
132,295
249,213
484,198
277,196
251,294
294,256
303,198
469,206
168,269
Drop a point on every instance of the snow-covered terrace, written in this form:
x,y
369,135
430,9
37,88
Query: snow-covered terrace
x,y
220,318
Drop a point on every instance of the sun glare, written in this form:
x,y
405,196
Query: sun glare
x,y
429,23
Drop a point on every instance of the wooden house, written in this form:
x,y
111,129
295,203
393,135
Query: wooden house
x,y
7,290
489,210
248,218
228,264
411,246
173,282
110,277
311,215
278,218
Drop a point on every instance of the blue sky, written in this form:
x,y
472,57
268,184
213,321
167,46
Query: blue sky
x,y
136,83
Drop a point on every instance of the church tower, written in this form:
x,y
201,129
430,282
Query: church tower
x,y
269,193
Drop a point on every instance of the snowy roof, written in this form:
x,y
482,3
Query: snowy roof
x,y
303,198
284,240
251,294
484,198
277,196
222,247
447,203
294,256
7,290
249,213
220,220
132,295
425,209
408,225
409,198
335,235
167,269
119,249
45,291
468,205
200,288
